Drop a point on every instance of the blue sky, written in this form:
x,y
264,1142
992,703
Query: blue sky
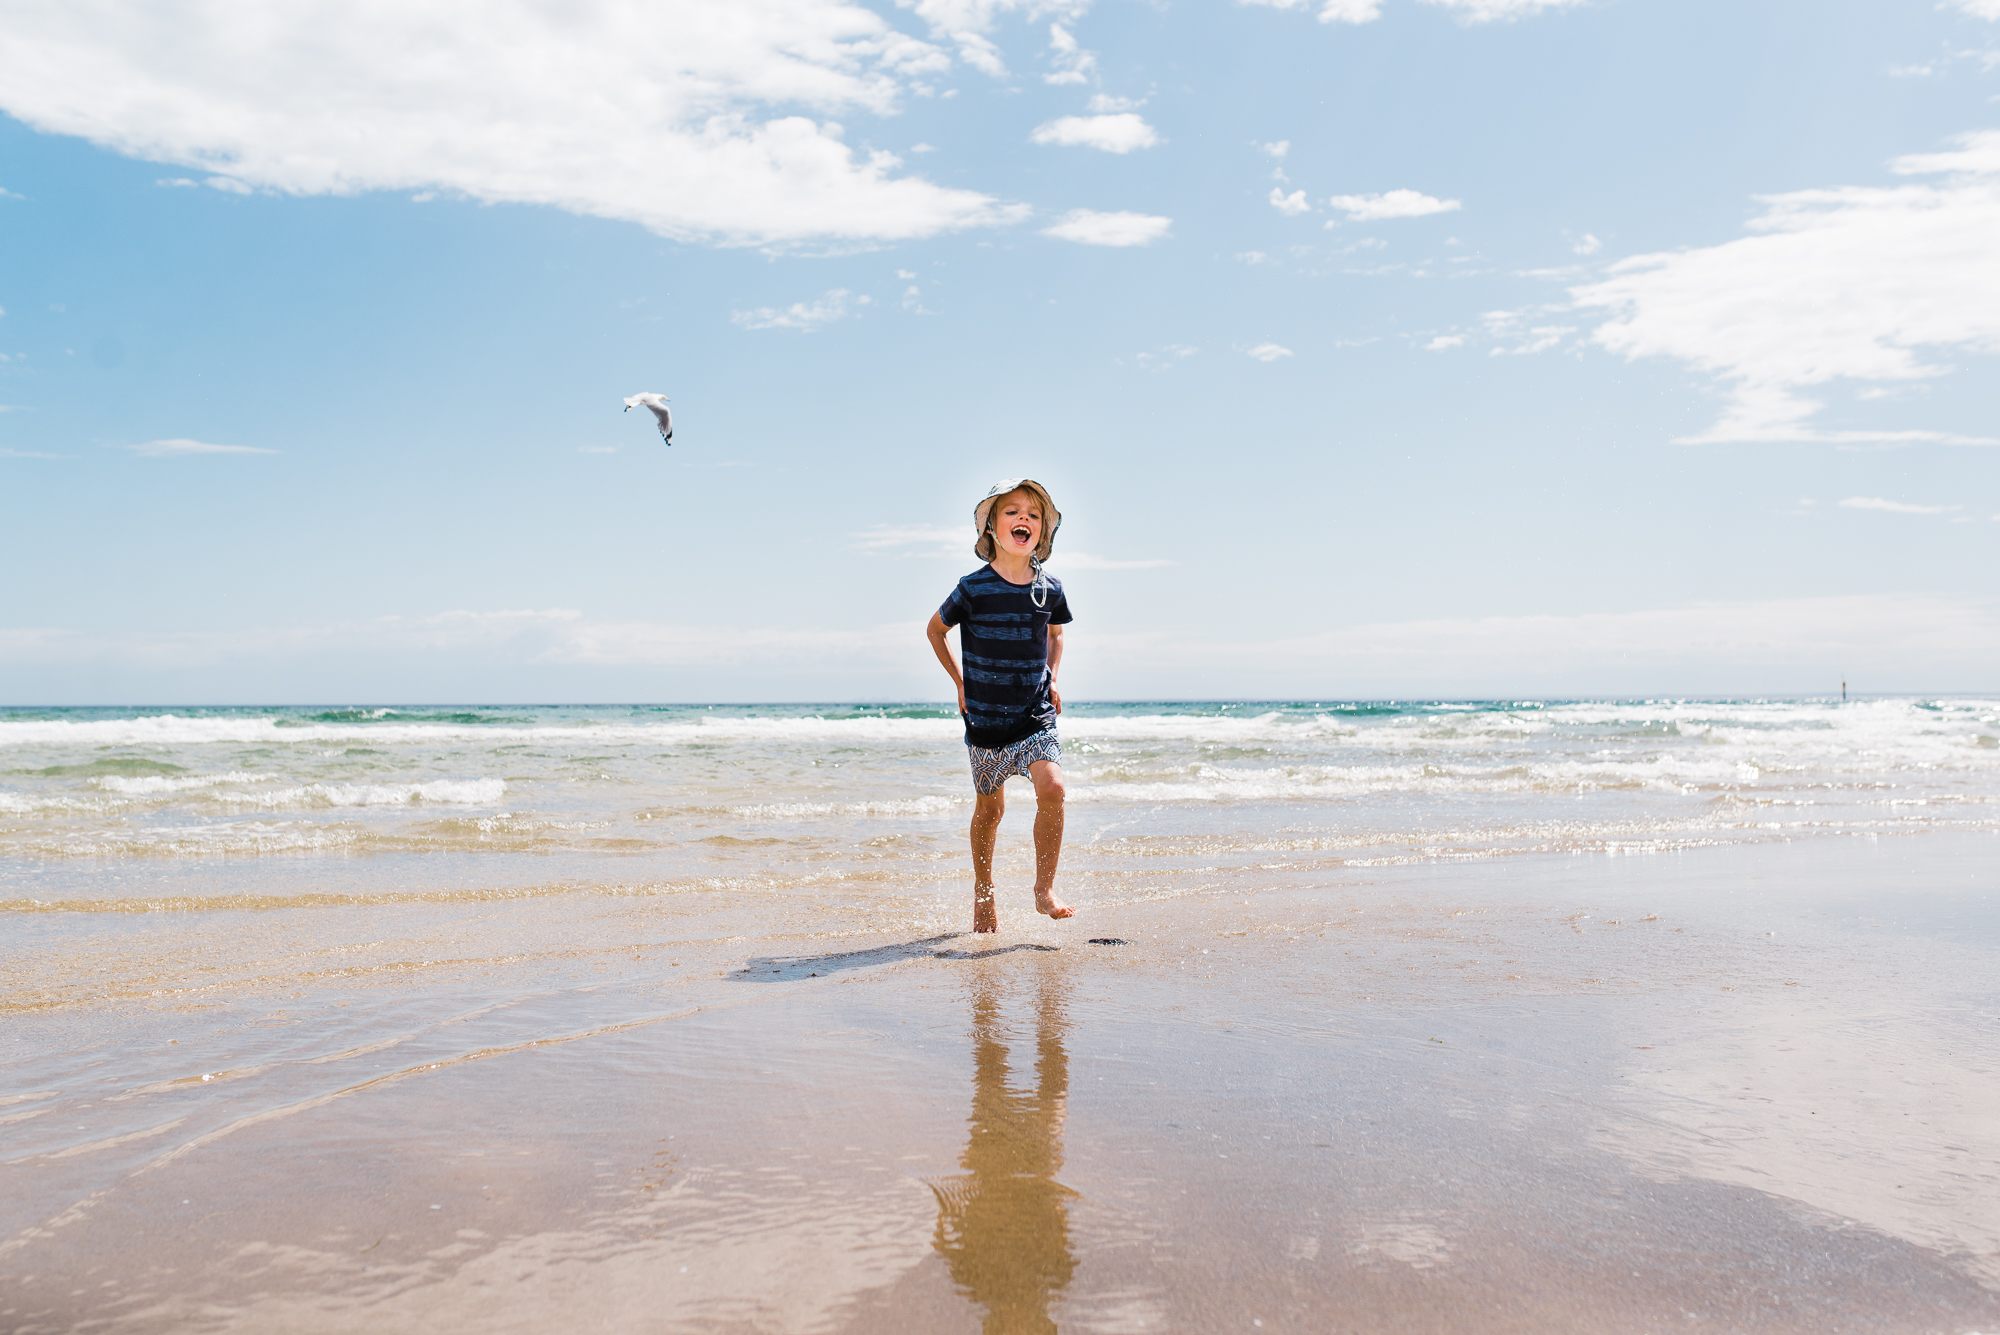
x,y
1469,347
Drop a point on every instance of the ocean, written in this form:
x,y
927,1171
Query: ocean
x,y
96,797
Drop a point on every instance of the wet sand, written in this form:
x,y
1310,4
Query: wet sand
x,y
1732,1089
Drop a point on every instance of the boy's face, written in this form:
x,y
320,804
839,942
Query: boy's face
x,y
1017,523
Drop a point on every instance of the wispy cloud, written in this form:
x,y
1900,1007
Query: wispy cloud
x,y
1898,642
30,454
1846,283
731,138
1060,561
1072,63
1166,358
1524,333
1124,132
1496,11
180,445
1268,352
1444,342
1896,507
915,540
1392,204
1091,228
1331,11
800,315
1470,11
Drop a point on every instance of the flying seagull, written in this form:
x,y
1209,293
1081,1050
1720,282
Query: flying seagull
x,y
657,405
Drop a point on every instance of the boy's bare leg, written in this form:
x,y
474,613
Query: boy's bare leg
x,y
987,808
1049,794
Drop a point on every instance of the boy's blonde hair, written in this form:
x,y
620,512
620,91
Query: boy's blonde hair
x,y
982,517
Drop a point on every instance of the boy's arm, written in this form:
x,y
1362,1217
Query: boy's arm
x,y
1055,664
936,632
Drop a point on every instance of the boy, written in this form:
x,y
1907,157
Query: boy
x,y
1013,617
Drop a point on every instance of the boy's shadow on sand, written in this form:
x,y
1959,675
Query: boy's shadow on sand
x,y
786,968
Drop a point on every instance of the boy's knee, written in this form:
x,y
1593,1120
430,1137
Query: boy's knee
x,y
1050,791
987,807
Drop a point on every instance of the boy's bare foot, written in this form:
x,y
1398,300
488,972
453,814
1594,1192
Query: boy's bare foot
x,y
1046,902
985,917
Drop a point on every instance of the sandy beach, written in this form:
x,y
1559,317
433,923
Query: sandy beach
x,y
1741,1088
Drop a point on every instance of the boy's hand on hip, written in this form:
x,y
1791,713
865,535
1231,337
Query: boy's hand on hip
x,y
961,700
1056,696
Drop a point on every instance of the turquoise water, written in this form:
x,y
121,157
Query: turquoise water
x,y
99,805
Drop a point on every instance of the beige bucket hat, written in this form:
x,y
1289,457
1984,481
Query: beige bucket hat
x,y
982,546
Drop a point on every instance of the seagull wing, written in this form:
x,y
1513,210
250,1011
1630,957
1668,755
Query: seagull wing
x,y
665,417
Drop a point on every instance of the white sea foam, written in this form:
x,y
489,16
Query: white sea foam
x,y
1902,729
169,783
458,792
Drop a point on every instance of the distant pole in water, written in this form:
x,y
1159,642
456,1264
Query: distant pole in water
x,y
1843,690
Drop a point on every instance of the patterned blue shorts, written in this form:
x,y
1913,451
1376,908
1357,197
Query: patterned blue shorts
x,y
992,767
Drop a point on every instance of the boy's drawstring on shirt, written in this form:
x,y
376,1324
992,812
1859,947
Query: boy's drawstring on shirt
x,y
1039,590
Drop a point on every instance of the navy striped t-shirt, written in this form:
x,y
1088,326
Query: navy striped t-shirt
x,y
1004,648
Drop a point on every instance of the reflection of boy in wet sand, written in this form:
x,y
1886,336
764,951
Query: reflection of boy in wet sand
x,y
1011,617
1003,1228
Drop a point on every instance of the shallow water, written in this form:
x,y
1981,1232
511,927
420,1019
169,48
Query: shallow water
x,y
621,991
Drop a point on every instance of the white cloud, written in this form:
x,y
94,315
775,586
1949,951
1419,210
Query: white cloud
x,y
1896,642
1849,283
29,454
1072,63
1166,358
1253,256
1444,341
916,540
1091,228
1980,9
1471,11
1392,204
1268,352
553,636
1290,205
161,449
1489,11
721,131
179,183
1586,245
1275,149
1513,327
1896,507
802,316
1121,133
1332,11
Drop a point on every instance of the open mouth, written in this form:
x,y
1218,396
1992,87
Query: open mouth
x,y
1020,533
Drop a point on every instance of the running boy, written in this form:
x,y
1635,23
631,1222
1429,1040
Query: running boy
x,y
1013,617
